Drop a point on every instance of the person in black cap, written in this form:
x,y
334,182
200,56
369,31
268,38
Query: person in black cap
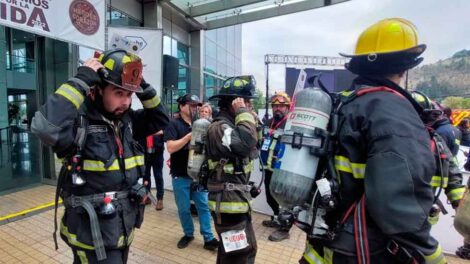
x,y
177,137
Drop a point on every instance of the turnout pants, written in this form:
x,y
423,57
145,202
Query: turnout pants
x,y
114,256
237,239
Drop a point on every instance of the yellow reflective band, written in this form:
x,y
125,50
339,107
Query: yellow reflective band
x,y
130,238
230,207
457,142
72,238
228,167
237,83
151,103
97,165
328,255
436,181
120,242
358,170
245,116
109,64
82,255
346,93
71,94
311,256
126,59
456,194
436,258
133,162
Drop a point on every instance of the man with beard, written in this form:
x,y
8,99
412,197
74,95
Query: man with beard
x,y
177,137
270,147
89,124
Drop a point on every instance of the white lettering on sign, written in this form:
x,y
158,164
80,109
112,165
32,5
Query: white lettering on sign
x,y
75,21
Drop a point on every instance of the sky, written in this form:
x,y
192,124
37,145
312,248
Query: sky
x,y
444,26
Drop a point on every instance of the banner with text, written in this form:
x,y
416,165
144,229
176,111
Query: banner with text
x,y
77,21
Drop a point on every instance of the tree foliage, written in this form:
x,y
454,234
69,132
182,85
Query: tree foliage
x,y
455,102
260,101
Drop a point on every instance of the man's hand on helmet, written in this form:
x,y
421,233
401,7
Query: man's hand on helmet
x,y
148,91
238,103
89,72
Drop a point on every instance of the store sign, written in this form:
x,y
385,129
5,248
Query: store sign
x,y
76,21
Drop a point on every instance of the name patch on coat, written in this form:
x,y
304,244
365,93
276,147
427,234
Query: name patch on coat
x,y
97,129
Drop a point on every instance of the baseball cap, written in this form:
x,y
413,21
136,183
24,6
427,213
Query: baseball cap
x,y
189,99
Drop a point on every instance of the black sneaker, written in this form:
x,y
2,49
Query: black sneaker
x,y
211,244
184,241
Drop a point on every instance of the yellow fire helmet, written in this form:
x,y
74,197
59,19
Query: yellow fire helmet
x,y
388,46
280,98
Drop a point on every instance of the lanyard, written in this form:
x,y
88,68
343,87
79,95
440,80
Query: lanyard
x,y
272,129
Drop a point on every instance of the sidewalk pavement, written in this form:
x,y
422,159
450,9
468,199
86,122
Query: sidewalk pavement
x,y
29,240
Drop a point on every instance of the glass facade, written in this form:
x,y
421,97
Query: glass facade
x,y
180,51
23,160
222,56
116,17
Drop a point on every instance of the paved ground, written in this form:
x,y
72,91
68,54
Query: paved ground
x,y
29,240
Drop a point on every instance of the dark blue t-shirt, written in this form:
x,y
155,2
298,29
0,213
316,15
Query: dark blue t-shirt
x,y
177,129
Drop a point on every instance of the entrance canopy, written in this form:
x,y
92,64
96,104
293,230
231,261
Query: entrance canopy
x,y
212,14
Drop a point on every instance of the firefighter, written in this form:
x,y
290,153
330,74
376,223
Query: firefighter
x,y
280,103
448,175
89,124
231,148
383,159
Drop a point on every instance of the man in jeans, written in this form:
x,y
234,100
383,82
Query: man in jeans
x,y
177,136
154,148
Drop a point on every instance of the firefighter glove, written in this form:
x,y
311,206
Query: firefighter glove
x,y
89,76
148,91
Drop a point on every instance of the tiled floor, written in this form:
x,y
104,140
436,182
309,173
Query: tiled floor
x,y
29,240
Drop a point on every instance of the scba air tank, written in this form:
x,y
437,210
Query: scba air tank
x,y
197,151
294,176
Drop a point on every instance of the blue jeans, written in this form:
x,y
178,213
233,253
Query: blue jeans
x,y
183,193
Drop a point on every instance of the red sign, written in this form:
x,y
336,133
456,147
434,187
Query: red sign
x,y
84,17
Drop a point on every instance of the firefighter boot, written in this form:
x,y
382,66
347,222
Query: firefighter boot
x,y
279,235
272,223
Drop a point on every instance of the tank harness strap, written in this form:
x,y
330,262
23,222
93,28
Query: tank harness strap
x,y
88,203
239,168
219,170
228,186
79,142
359,209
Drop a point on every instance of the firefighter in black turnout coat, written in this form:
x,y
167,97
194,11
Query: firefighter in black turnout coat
x,y
89,124
383,159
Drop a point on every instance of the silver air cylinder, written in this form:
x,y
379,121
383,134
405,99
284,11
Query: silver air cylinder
x,y
197,151
292,183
